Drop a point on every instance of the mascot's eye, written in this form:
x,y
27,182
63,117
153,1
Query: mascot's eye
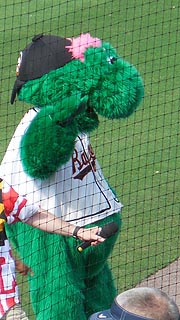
x,y
111,60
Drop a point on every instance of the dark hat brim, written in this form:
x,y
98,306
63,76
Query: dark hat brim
x,y
17,86
116,313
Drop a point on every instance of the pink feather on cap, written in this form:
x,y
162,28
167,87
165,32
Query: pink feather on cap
x,y
80,44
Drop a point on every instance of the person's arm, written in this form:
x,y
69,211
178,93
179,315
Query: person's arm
x,y
18,208
22,268
45,221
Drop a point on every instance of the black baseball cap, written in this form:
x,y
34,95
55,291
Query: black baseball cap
x,y
45,53
116,312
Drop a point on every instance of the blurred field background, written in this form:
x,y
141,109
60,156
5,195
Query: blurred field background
x,y
140,156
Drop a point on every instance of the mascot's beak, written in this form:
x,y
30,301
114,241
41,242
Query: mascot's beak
x,y
120,92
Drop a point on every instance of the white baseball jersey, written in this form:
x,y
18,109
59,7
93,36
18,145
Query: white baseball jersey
x,y
77,192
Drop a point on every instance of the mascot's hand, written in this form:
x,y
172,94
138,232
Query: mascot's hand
x,y
49,140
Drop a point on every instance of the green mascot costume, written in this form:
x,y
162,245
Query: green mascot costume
x,y
50,164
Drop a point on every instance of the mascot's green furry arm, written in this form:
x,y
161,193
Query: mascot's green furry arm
x,y
70,82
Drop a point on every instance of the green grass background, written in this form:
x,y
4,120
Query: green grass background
x,y
140,156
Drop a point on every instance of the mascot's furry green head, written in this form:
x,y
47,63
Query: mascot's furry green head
x,y
72,81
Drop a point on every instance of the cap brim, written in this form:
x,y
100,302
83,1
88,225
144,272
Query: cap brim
x,y
103,315
116,312
17,86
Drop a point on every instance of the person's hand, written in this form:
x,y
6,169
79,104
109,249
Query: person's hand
x,y
90,234
22,268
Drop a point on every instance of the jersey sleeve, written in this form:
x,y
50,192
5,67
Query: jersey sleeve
x,y
16,207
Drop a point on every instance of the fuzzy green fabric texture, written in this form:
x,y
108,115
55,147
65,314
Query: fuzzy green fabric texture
x,y
65,284
70,99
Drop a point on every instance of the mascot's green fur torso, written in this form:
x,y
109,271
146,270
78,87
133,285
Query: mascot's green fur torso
x,y
93,80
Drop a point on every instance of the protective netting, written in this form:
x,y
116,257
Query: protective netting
x,y
139,155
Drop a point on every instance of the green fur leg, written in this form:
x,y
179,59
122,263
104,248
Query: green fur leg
x,y
54,291
92,270
65,281
100,291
